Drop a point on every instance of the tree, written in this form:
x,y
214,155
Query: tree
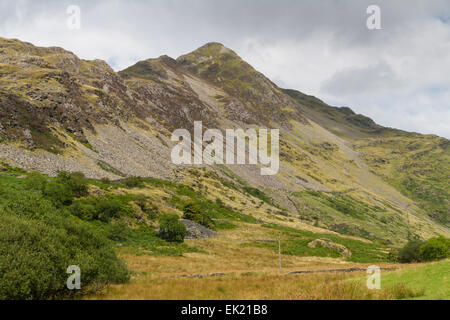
x,y
410,252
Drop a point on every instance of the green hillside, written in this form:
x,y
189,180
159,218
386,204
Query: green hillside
x,y
431,280
417,165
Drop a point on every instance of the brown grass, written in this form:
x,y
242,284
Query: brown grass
x,y
253,287
251,273
226,254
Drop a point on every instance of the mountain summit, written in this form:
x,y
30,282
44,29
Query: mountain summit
x,y
224,68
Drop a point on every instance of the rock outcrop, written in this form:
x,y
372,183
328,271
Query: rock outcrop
x,y
197,231
331,245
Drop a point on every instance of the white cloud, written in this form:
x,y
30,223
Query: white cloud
x,y
402,80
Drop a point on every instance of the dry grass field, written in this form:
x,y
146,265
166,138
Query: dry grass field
x,y
151,282
246,273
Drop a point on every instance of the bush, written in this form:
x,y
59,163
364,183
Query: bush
x,y
193,212
118,231
410,252
35,181
59,194
75,181
393,255
36,251
435,249
134,182
97,208
105,180
171,228
258,194
143,203
107,209
39,240
84,210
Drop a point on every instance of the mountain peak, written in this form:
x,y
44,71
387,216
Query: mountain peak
x,y
214,49
214,44
225,69
211,52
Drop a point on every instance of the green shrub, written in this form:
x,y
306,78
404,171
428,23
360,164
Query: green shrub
x,y
220,203
97,208
75,181
84,210
35,181
39,239
105,180
393,255
435,249
118,231
258,194
134,182
60,194
35,255
107,209
61,190
143,203
410,252
171,228
193,212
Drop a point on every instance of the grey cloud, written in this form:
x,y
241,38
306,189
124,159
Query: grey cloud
x,y
320,47
374,78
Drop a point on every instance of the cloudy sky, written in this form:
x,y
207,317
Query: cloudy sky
x,y
399,75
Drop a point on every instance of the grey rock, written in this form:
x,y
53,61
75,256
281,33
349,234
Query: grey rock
x,y
197,231
329,244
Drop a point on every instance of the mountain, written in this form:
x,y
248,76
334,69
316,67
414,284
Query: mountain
x,y
417,165
340,172
341,121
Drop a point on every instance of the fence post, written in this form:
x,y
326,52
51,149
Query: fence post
x,y
279,252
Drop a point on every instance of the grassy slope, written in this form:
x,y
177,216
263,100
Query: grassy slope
x,y
239,208
417,165
433,279
341,121
237,252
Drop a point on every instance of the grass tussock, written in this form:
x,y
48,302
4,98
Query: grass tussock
x,y
402,291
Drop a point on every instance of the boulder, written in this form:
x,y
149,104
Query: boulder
x,y
332,245
197,231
